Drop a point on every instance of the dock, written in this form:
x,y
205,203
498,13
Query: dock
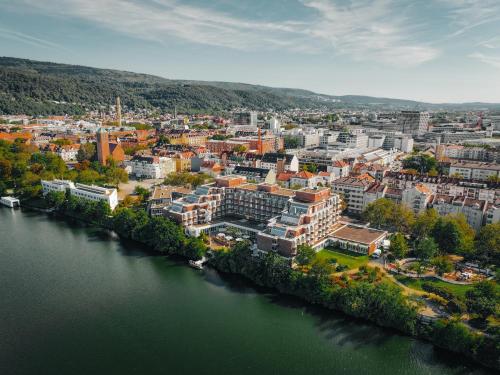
x,y
10,202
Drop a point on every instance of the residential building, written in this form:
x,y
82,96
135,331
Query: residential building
x,y
280,162
473,209
303,179
162,197
417,198
67,152
352,191
307,219
475,171
340,168
257,175
492,215
151,166
187,137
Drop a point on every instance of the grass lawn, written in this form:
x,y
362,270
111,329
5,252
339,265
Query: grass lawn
x,y
351,261
458,290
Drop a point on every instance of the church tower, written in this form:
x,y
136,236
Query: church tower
x,y
118,112
102,146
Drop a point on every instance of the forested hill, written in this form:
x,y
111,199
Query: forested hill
x,y
39,88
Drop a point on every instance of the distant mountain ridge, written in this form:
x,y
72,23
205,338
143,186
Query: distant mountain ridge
x,y
42,88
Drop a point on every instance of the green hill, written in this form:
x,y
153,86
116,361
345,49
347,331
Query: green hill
x,y
42,88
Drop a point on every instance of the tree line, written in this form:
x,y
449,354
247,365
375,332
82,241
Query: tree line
x,y
23,166
382,303
428,234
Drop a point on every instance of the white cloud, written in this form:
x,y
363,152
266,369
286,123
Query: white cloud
x,y
28,39
366,30
369,30
487,59
492,43
470,14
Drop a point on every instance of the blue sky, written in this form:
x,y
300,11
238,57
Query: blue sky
x,y
431,50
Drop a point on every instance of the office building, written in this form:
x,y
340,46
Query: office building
x,y
413,122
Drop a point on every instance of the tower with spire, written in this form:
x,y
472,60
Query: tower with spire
x,y
118,111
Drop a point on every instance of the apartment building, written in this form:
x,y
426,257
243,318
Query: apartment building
x,y
471,153
258,175
151,166
340,168
307,219
220,146
481,190
474,210
67,152
475,171
280,162
162,198
304,179
376,191
187,137
256,202
492,215
417,197
352,190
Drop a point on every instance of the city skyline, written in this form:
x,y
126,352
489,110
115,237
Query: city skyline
x,y
443,51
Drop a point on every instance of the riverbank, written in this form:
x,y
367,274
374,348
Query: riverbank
x,y
381,304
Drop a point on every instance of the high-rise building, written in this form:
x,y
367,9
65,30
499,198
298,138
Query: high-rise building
x,y
245,118
413,122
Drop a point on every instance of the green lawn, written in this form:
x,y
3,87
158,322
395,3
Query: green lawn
x,y
458,290
351,261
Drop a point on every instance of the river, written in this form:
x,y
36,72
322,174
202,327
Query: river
x,y
75,300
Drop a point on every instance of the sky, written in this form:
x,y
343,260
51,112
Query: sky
x,y
428,50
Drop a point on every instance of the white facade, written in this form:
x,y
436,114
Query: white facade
x,y
67,153
96,193
417,198
151,166
87,192
475,171
292,165
492,214
57,186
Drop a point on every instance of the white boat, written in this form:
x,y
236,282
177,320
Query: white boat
x,y
10,202
196,264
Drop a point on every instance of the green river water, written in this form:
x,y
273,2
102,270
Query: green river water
x,y
75,300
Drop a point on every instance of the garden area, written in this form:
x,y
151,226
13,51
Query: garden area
x,y
341,257
456,289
